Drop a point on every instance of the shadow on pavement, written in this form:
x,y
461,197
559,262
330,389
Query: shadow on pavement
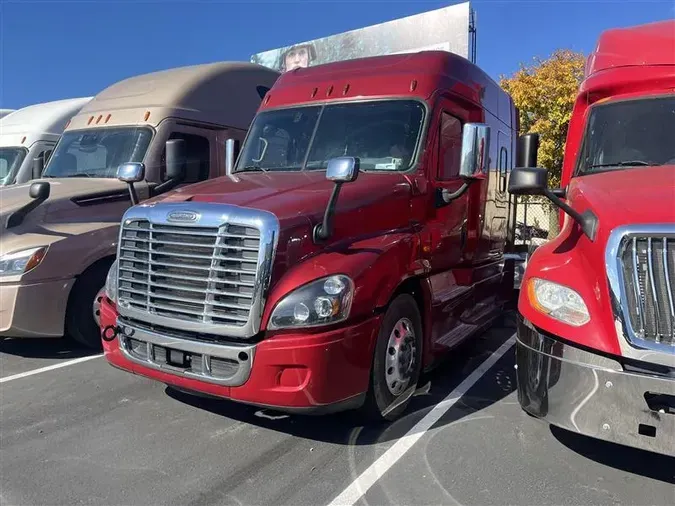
x,y
632,460
48,348
346,428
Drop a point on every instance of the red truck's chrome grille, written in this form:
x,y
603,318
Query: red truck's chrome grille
x,y
196,274
648,274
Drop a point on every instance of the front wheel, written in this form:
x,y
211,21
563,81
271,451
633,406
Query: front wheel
x,y
82,315
397,361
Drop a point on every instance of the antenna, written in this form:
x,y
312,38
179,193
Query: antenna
x,y
472,35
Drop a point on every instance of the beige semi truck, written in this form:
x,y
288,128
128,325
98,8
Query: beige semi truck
x,y
58,233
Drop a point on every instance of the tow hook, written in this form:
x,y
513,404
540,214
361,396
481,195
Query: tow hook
x,y
110,332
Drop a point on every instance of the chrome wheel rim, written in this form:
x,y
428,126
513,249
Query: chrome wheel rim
x,y
96,307
400,357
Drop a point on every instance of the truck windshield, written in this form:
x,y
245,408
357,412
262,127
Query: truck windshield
x,y
10,161
384,135
629,133
97,152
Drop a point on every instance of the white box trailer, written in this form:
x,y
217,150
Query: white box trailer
x,y
32,132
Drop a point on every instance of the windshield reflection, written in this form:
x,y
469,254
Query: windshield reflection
x,y
629,133
97,152
382,134
10,161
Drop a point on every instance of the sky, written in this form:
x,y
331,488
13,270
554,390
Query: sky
x,y
55,49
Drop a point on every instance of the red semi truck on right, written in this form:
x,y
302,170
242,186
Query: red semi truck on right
x,y
596,332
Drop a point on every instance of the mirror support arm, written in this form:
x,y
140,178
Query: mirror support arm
x,y
323,231
586,220
39,192
133,194
444,197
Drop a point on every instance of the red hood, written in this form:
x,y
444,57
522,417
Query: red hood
x,y
374,203
640,195
644,195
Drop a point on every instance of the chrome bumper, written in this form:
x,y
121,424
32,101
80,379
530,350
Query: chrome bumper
x,y
593,395
220,364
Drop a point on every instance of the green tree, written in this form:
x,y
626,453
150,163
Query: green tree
x,y
544,93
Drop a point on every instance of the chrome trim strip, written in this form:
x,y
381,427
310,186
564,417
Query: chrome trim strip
x,y
667,275
655,297
206,350
632,345
211,215
639,307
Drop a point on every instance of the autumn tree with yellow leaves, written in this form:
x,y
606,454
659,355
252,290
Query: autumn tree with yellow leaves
x,y
544,93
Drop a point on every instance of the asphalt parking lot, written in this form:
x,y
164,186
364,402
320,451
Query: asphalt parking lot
x,y
86,433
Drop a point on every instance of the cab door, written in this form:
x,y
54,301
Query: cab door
x,y
448,226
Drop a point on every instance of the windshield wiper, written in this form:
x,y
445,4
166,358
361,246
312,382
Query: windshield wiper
x,y
79,174
629,163
251,168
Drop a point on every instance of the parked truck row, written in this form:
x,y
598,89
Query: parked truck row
x,y
364,229
59,231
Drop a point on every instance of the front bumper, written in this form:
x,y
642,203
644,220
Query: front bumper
x,y
36,310
294,372
593,395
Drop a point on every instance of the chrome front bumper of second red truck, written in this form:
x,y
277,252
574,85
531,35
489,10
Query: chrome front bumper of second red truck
x,y
595,395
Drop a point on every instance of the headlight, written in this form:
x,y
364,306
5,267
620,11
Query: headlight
x,y
20,262
321,302
558,301
111,282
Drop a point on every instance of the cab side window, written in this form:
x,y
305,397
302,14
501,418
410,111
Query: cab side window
x,y
449,147
197,154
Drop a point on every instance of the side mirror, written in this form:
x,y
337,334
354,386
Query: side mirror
x,y
534,181
474,161
344,169
527,149
38,166
528,181
176,166
39,192
176,159
131,173
475,151
231,153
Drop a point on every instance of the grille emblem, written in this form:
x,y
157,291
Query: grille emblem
x,y
183,216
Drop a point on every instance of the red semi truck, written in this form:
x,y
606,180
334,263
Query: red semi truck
x,y
361,235
596,331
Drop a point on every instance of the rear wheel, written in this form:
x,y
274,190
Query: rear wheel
x,y
397,361
83,313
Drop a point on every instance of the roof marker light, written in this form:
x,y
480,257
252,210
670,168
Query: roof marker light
x,y
147,115
413,85
330,90
314,92
91,118
107,118
345,89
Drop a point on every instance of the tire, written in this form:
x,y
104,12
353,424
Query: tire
x,y
80,323
390,390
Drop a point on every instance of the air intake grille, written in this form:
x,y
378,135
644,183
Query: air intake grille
x,y
648,272
195,274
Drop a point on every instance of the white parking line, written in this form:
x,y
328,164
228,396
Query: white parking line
x,y
369,477
48,368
